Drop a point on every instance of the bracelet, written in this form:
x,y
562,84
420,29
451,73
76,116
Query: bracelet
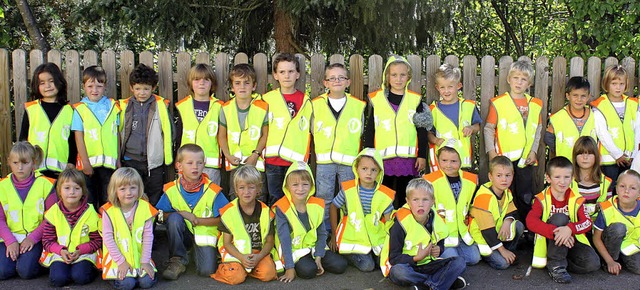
x,y
256,152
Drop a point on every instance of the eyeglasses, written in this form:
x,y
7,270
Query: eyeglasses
x,y
338,79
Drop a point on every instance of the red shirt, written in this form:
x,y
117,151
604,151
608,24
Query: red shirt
x,y
294,102
535,223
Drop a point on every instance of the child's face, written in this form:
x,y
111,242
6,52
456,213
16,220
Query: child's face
x,y
93,89
398,76
448,89
286,74
628,189
142,92
586,160
128,194
333,80
501,177
246,192
298,187
420,202
71,193
578,98
242,87
559,179
201,87
368,171
449,162
192,165
518,82
47,87
616,88
19,169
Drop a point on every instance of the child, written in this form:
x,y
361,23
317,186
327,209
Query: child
x,y
289,113
615,116
493,225
47,121
366,205
71,237
243,124
454,118
146,128
197,120
190,206
411,252
302,235
337,128
247,233
616,229
127,232
454,190
392,130
95,123
572,121
25,195
559,221
588,179
513,129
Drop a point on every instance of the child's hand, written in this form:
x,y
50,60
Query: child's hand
x,y
319,265
505,230
66,256
74,256
149,269
87,170
288,276
421,163
71,166
252,159
26,245
532,159
509,256
249,261
467,131
439,141
123,269
189,216
492,154
423,252
614,267
435,251
563,236
13,251
333,245
623,161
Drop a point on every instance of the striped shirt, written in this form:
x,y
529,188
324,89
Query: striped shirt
x,y
365,199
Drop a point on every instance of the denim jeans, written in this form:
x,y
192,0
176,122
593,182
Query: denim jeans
x,y
275,180
326,175
495,259
470,254
579,259
26,266
180,239
612,237
438,274
331,262
80,273
364,262
129,283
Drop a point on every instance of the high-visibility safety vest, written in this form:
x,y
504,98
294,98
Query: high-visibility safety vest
x,y
455,213
359,233
128,239
162,107
396,135
288,138
303,242
24,217
591,209
203,235
514,138
101,140
204,133
71,237
337,140
242,141
485,200
52,137
612,214
540,245
567,133
446,129
621,130
416,234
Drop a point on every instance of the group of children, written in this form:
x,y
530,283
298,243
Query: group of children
x,y
277,216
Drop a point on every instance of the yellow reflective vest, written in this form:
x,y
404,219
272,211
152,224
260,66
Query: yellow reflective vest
x,y
288,138
514,137
567,133
204,133
446,129
100,139
612,214
591,209
52,137
24,217
396,135
621,130
242,141
487,201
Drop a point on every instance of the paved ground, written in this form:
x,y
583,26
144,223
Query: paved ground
x,y
480,276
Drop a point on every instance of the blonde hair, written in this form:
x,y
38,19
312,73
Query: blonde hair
x,y
447,72
124,176
522,66
632,173
301,174
387,73
248,174
26,152
73,175
615,72
202,71
420,183
193,148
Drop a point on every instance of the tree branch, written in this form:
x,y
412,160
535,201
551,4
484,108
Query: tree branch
x,y
507,27
35,34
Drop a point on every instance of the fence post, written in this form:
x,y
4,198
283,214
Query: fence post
x,y
203,57
109,66
240,58
261,65
375,72
433,63
629,64
55,56
541,92
505,64
36,58
72,74
558,85
317,74
127,63
469,89
19,86
146,58
165,77
5,111
356,71
89,58
222,73
487,91
576,66
301,83
415,62
183,65
594,72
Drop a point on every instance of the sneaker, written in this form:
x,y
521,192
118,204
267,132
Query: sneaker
x,y
420,287
560,275
459,283
174,268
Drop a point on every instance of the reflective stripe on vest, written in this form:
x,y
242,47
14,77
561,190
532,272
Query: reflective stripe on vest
x,y
242,141
485,200
52,137
100,139
447,130
567,133
232,219
590,209
396,135
202,133
514,138
612,214
337,140
24,217
621,131
288,138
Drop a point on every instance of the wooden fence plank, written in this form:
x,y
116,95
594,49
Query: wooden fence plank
x,y
541,92
165,76
336,58
469,77
5,111
487,91
36,58
89,58
203,57
609,61
72,74
505,64
375,72
20,92
109,66
301,83
222,72
576,66
261,63
146,57
317,74
433,63
183,65
594,71
127,64
356,74
240,58
416,73
629,65
55,56
558,84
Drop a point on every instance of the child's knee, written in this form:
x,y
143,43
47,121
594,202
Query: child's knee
x,y
146,282
175,222
558,219
616,230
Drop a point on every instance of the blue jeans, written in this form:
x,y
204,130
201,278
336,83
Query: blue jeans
x,y
326,184
495,259
364,262
437,274
612,237
471,254
26,266
180,239
275,180
331,262
129,283
61,273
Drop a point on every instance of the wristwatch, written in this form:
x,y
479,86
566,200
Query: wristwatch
x,y
256,152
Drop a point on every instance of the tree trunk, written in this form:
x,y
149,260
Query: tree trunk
x,y
35,34
283,29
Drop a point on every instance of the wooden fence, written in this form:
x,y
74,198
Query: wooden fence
x,y
482,79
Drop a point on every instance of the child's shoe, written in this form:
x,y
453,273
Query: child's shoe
x,y
420,287
560,275
174,268
460,283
